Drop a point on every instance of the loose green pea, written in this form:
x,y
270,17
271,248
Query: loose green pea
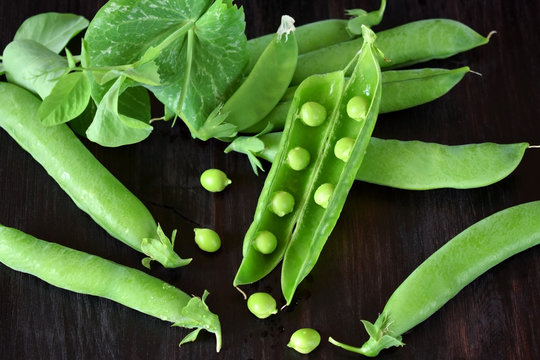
x,y
214,180
323,194
207,239
312,113
343,148
298,158
305,340
262,305
357,108
265,242
282,203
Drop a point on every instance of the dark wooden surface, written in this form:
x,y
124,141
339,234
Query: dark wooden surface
x,y
382,235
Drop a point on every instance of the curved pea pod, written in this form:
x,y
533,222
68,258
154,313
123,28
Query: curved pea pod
x,y
323,89
440,277
354,120
417,165
408,44
266,83
88,274
402,89
89,184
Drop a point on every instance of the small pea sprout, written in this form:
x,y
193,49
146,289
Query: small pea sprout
x,y
265,242
357,108
214,180
262,305
282,203
305,340
312,113
343,148
323,194
298,158
207,240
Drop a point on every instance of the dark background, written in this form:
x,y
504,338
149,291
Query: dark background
x,y
382,235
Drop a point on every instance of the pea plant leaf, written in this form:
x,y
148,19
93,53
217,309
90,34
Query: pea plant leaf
x,y
110,127
52,30
198,46
33,66
67,100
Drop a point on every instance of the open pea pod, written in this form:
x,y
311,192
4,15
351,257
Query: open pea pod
x,y
329,117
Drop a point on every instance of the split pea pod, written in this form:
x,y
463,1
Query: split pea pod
x,y
88,274
89,184
402,89
408,44
267,81
417,165
440,277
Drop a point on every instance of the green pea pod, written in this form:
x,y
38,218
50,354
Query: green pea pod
x,y
266,83
69,163
320,34
88,274
326,90
440,277
354,120
402,89
417,165
408,44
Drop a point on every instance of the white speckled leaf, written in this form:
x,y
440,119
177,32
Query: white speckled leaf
x,y
203,52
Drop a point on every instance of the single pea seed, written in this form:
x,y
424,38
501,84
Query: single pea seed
x,y
323,194
262,305
343,148
357,108
305,340
282,203
208,240
312,113
265,242
298,158
214,180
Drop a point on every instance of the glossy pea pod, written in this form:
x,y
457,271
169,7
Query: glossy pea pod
x,y
89,184
353,121
320,34
267,81
440,277
402,89
418,165
408,44
88,274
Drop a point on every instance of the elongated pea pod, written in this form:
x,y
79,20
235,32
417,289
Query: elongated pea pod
x,y
320,34
402,89
408,44
325,90
267,81
439,278
88,274
89,184
417,165
336,167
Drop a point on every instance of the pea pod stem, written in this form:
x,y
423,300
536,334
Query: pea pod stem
x,y
68,162
88,274
455,265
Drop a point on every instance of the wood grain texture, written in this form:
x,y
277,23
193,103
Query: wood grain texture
x,y
382,235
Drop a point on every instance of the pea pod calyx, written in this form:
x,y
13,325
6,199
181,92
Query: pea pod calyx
x,y
161,249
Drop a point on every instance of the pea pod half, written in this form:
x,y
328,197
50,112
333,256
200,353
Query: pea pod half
x,y
89,184
318,189
88,274
448,270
